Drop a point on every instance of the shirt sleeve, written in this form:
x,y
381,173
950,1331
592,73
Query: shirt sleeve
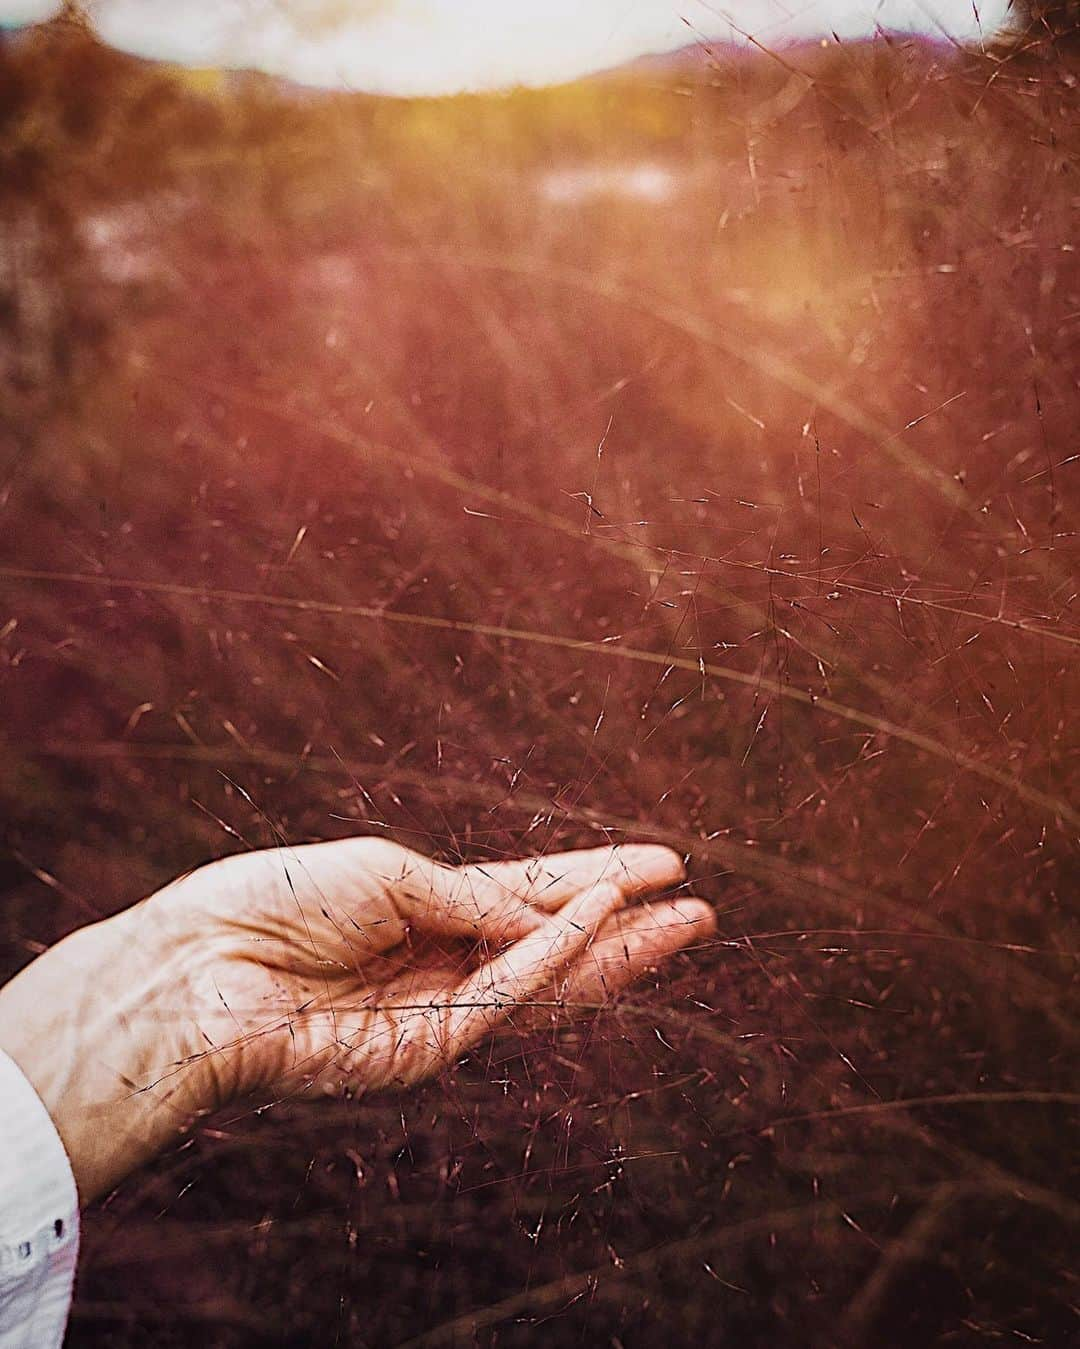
x,y
39,1219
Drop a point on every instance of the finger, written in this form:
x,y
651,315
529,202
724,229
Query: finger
x,y
333,879
419,889
499,900
546,882
448,902
628,946
527,970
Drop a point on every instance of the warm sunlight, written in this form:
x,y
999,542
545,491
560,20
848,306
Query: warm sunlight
x,y
539,611
445,46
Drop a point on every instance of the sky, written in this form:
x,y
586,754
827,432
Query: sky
x,y
411,47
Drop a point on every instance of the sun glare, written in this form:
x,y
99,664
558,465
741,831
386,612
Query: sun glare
x,y
429,47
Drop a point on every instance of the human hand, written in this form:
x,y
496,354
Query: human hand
x,y
328,967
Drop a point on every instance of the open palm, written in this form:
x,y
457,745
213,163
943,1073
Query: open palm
x,y
359,964
324,968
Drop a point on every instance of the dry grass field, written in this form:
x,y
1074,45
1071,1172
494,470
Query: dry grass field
x,y
689,454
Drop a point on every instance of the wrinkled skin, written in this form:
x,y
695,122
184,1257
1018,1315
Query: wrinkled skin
x,y
325,968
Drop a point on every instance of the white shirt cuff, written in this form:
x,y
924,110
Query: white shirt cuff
x,y
39,1219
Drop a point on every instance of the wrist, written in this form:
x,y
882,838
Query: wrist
x,y
93,1024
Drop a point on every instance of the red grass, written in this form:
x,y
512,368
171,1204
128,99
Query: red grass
x,y
345,464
